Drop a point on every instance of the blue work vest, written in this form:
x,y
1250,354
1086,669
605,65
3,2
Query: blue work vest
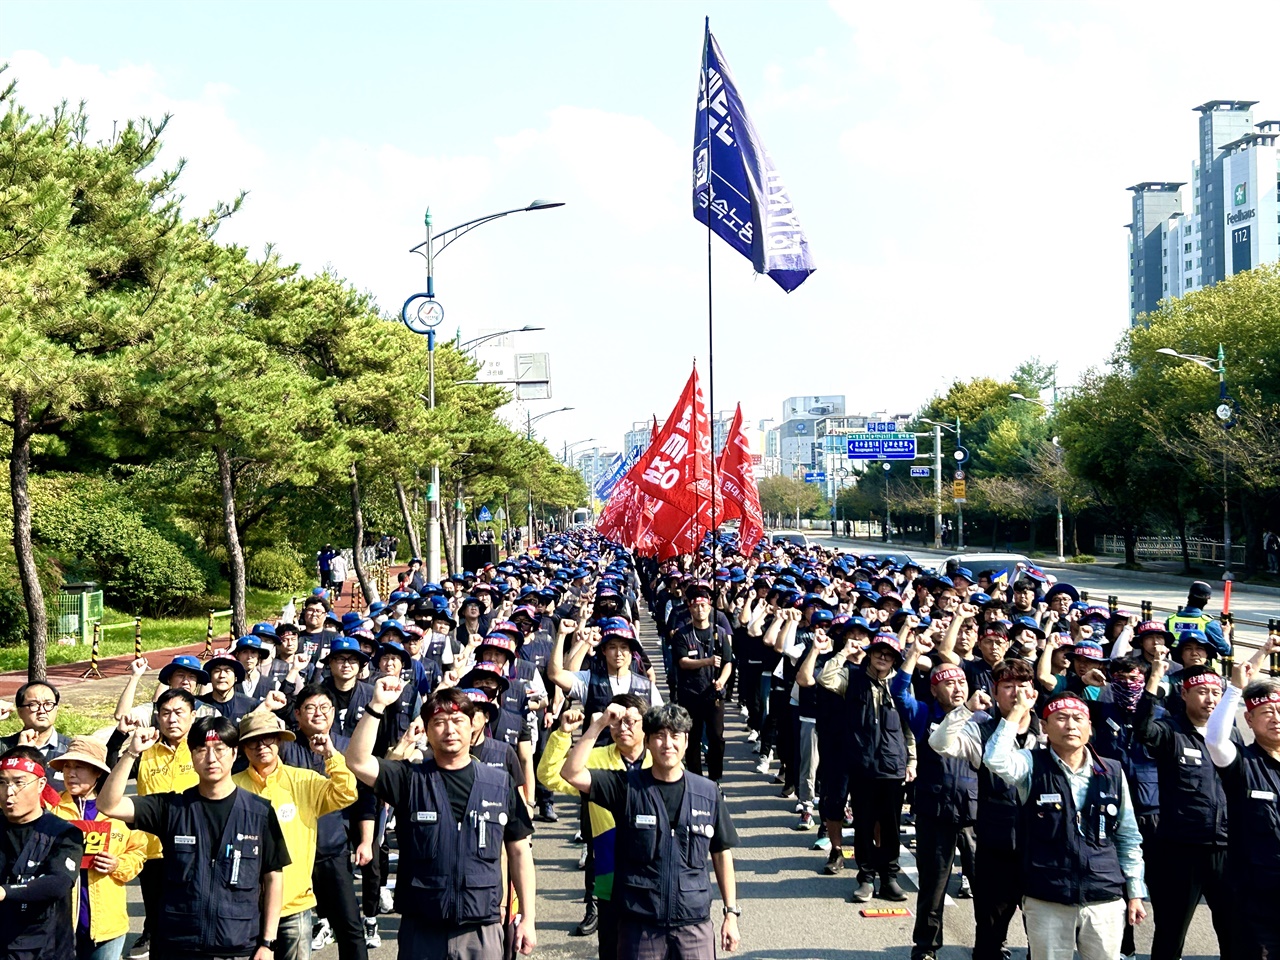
x,y
211,896
451,872
37,929
997,822
1069,856
660,876
946,787
1254,800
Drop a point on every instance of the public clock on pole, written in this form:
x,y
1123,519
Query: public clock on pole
x,y
1224,411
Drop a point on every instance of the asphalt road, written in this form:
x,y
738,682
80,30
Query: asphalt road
x,y
1131,590
792,911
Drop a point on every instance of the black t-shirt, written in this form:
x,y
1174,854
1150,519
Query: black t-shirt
x,y
609,790
152,815
392,786
699,643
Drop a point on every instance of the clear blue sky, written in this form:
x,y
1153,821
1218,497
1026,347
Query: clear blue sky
x,y
960,169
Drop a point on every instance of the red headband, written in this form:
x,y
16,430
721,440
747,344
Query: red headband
x,y
23,764
1202,680
1066,703
212,736
943,674
446,706
1254,702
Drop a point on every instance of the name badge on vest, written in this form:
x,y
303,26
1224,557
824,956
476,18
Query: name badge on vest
x,y
1261,795
1047,798
1115,727
1191,752
646,820
185,841
426,816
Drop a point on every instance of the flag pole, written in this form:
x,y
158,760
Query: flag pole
x,y
711,328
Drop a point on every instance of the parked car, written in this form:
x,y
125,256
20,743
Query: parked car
x,y
995,562
791,538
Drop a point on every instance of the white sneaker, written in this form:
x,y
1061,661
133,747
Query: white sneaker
x,y
371,938
386,902
323,935
763,765
752,736
743,711
582,858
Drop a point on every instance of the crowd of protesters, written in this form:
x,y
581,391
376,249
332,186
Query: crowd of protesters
x,y
1076,763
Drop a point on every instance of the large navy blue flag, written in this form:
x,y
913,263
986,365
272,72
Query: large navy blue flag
x,y
750,205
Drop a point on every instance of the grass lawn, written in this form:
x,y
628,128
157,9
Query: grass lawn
x,y
156,634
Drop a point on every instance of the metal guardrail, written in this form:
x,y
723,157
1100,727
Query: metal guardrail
x,y
1168,548
99,629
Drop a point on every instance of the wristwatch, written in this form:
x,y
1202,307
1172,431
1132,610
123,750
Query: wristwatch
x,y
736,911
269,944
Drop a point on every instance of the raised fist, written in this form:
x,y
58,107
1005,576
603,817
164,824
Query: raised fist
x,y
139,666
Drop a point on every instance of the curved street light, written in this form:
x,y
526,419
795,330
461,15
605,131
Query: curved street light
x,y
1057,456
468,345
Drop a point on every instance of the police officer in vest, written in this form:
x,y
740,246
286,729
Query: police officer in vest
x,y
1251,780
997,880
946,800
1081,849
221,900
1189,857
1193,617
670,825
455,817
39,862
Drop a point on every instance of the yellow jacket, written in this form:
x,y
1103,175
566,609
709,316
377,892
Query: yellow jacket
x,y
164,769
108,915
300,798
602,822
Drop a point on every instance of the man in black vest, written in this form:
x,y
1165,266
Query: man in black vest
x,y
669,824
946,801
1190,856
1081,849
222,896
877,760
702,653
455,817
39,863
1251,780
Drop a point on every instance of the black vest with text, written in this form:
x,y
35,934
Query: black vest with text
x,y
997,822
451,873
660,874
37,929
1254,798
211,896
1069,856
1193,804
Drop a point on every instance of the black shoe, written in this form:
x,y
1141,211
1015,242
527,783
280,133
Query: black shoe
x,y
588,925
141,948
835,862
862,892
889,890
547,814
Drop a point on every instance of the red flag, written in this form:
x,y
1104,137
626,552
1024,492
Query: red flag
x,y
737,482
676,468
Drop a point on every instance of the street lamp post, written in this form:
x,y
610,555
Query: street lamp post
x,y
1225,412
421,314
528,432
1057,458
960,457
469,345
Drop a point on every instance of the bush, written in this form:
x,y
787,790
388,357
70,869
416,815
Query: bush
x,y
275,569
1083,558
13,607
101,535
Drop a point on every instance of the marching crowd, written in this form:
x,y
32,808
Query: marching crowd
x,y
1080,763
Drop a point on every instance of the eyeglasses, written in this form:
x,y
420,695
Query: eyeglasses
x,y
630,722
218,750
317,710
348,661
11,788
40,706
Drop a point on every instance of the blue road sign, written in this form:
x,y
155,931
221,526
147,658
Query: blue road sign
x,y
920,471
484,516
882,446
815,476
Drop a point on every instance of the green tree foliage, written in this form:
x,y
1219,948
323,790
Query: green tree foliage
x,y
782,496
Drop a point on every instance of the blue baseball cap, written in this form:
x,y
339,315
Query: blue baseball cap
x,y
248,642
346,645
183,662
264,630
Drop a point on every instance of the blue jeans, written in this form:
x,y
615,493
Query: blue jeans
x,y
86,949
293,939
